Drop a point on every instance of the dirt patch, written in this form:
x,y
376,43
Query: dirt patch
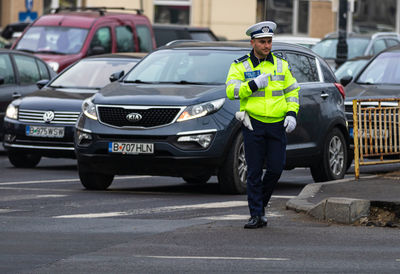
x,y
382,215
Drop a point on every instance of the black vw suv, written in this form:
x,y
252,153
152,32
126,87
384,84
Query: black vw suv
x,y
169,116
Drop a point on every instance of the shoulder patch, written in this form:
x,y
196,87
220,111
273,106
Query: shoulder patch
x,y
241,59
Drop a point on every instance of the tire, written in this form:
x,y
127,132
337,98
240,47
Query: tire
x,y
23,160
232,176
94,181
197,180
333,162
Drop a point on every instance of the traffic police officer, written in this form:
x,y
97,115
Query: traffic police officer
x,y
269,102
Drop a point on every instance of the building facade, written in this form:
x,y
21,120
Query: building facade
x,y
230,18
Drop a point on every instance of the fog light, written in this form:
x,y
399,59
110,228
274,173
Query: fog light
x,y
203,140
9,138
83,137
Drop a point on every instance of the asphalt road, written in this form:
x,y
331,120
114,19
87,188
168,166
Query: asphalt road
x,y
142,224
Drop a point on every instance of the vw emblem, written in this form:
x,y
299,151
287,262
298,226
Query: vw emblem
x,y
48,116
133,117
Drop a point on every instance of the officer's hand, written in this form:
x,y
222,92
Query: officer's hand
x,y
290,123
262,80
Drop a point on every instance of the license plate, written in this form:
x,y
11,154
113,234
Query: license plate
x,y
51,132
131,148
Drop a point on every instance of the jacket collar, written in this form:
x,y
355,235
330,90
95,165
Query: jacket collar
x,y
257,61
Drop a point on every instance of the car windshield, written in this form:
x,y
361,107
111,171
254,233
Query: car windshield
x,y
55,40
350,68
185,66
327,48
91,73
384,69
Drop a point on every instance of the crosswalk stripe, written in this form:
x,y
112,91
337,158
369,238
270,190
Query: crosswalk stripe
x,y
212,258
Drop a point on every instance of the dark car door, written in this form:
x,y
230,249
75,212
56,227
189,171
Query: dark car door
x,y
8,84
315,104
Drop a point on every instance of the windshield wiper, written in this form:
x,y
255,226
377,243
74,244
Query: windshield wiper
x,y
366,83
26,50
136,81
50,52
183,82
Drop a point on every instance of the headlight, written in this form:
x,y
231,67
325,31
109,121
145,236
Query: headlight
x,y
89,109
54,65
201,110
12,112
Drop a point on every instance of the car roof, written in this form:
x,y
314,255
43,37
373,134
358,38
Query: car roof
x,y
233,45
333,35
180,27
119,55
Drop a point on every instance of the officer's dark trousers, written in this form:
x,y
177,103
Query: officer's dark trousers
x,y
266,143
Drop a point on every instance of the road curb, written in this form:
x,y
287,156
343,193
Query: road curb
x,y
336,209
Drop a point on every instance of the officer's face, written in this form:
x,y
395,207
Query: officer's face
x,y
262,46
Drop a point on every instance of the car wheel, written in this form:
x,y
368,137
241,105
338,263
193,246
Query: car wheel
x,y
333,162
350,158
21,159
94,181
197,180
232,175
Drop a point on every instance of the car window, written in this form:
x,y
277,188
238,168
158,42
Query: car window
x,y
125,42
54,39
202,36
378,46
302,67
391,42
102,38
144,36
6,69
164,36
384,69
44,73
200,66
92,73
27,69
350,68
327,48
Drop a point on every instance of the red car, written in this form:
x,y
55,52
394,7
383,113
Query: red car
x,y
69,35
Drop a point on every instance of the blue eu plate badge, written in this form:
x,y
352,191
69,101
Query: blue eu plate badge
x,y
251,74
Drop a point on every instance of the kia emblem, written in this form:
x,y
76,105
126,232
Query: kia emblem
x,y
48,116
133,117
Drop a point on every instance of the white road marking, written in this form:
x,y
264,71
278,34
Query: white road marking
x,y
51,196
212,258
234,217
9,210
284,196
94,215
64,180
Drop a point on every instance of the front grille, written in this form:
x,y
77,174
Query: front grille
x,y
36,116
151,116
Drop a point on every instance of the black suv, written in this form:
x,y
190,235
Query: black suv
x,y
170,116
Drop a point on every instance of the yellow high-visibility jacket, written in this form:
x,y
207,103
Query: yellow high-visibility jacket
x,y
272,103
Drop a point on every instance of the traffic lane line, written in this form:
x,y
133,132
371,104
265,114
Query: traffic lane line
x,y
212,258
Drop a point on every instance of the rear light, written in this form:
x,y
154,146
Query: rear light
x,y
341,89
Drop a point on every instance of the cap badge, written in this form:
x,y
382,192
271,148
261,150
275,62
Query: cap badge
x,y
265,29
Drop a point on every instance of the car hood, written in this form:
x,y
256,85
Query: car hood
x,y
158,94
51,99
358,91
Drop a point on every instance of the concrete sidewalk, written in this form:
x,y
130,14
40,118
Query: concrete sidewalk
x,y
371,200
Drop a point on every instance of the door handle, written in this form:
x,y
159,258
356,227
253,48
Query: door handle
x,y
324,95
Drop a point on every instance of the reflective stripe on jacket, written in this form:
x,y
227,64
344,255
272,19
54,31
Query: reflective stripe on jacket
x,y
271,103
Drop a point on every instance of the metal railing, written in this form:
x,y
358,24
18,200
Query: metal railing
x,y
376,129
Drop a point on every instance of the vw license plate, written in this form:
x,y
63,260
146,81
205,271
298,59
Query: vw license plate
x,y
51,132
131,148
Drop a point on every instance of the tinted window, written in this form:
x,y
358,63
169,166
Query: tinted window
x,y
102,38
27,69
6,69
44,73
125,42
144,36
327,48
164,36
202,36
378,46
384,69
392,42
303,68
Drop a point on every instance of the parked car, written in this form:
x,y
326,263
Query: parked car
x,y
358,45
12,31
170,116
167,33
71,34
305,41
42,123
380,78
19,72
351,67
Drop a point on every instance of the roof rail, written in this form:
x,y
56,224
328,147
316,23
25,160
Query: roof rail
x,y
101,10
175,42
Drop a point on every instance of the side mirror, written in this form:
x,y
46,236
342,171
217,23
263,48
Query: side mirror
x,y
1,80
116,76
96,50
41,83
16,95
346,80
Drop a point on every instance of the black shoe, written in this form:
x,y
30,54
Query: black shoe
x,y
264,220
254,222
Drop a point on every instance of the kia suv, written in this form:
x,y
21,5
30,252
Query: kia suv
x,y
169,116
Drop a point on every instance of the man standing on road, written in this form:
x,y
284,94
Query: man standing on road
x,y
269,102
